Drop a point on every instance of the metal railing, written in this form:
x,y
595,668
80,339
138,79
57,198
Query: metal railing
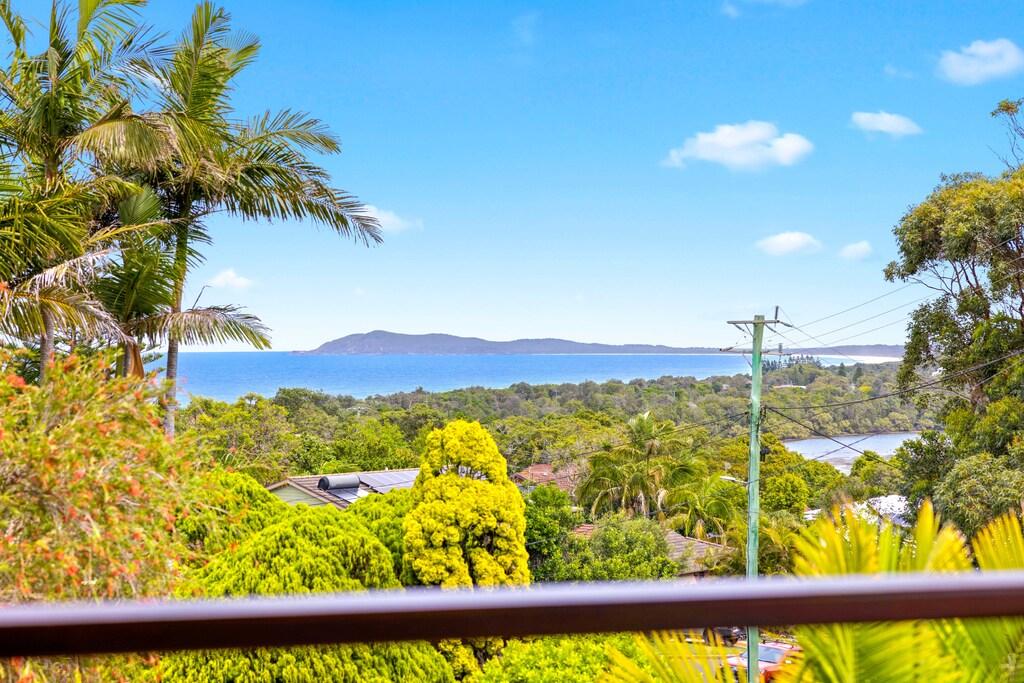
x,y
40,629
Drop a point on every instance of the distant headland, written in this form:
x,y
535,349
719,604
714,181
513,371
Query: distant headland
x,y
380,342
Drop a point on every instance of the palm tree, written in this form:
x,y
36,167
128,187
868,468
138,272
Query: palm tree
x,y
67,110
706,506
137,291
975,650
637,476
673,656
47,260
255,169
778,533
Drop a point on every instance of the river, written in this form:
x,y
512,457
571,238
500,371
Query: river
x,y
831,452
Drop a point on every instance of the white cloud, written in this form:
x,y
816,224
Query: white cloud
x,y
229,279
391,221
896,72
524,28
788,243
981,61
856,251
895,125
730,10
742,146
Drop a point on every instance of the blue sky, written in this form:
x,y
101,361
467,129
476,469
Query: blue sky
x,y
611,171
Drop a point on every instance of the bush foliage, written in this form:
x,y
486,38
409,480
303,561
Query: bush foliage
x,y
89,486
312,550
89,491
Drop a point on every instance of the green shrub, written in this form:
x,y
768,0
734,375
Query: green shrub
x,y
467,524
383,516
251,435
371,445
313,550
466,527
222,509
552,660
787,492
549,521
620,548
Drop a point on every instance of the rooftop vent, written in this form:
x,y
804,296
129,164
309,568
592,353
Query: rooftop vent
x,y
338,481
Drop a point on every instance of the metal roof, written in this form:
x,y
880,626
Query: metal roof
x,y
380,481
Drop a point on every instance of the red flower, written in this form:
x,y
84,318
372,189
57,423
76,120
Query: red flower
x,y
16,381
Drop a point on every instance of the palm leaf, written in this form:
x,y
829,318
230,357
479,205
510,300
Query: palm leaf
x,y
70,310
672,657
209,325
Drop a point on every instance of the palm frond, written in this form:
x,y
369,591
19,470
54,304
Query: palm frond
x,y
288,128
78,271
124,138
672,657
209,325
71,311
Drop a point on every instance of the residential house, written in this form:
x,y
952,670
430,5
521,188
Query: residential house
x,y
341,490
565,478
696,557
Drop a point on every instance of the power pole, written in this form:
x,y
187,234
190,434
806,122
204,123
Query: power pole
x,y
754,470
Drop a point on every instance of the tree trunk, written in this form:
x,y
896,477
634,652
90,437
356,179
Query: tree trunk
x,y
121,369
172,386
171,374
46,345
46,342
133,362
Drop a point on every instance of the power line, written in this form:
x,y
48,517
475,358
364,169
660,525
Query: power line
x,y
836,450
906,390
869,318
827,436
873,329
988,251
861,305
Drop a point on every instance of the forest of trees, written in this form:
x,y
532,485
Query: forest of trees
x,y
299,431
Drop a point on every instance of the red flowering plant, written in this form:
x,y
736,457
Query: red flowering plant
x,y
89,486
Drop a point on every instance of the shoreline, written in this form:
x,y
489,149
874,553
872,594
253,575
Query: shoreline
x,y
228,375
857,357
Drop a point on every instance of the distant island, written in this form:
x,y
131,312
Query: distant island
x,y
380,342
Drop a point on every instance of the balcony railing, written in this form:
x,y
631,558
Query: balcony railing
x,y
430,614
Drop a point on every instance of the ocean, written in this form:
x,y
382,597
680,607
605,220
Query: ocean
x,y
229,375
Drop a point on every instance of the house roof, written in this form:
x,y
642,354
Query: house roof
x,y
545,473
892,508
344,489
693,554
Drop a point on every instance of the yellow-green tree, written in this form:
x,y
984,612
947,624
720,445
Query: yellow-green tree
x,y
467,525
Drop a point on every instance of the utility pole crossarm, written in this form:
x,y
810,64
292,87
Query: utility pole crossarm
x,y
750,352
751,322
